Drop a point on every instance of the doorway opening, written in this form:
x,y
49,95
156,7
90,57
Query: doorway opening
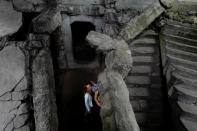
x,y
82,52
70,81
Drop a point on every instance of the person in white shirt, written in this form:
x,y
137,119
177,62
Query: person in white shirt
x,y
88,98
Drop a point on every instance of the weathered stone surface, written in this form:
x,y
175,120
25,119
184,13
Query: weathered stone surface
x,y
141,69
91,10
12,68
136,25
3,42
6,97
19,95
9,127
116,111
138,80
24,128
84,2
24,108
11,20
144,49
100,41
47,21
180,68
105,43
5,119
189,123
29,5
22,85
147,59
20,120
8,106
167,3
120,61
130,4
45,112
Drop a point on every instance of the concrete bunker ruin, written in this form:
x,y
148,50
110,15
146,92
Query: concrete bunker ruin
x,y
49,59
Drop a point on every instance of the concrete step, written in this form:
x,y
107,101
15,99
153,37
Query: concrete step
x,y
189,122
180,31
156,127
182,54
145,92
186,70
144,40
149,118
185,78
182,25
179,39
149,33
182,62
141,69
186,98
147,106
188,108
143,50
187,89
138,80
147,59
181,46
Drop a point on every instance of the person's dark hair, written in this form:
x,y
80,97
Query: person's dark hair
x,y
85,87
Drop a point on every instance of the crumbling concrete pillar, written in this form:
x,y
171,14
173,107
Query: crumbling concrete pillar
x,y
43,84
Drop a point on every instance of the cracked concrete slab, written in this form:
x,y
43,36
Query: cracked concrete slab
x,y
12,68
12,20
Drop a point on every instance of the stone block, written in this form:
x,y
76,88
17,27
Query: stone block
x,y
91,10
19,95
6,97
47,21
138,80
130,4
143,50
8,106
12,68
141,69
5,119
29,5
139,92
144,105
11,20
143,59
84,2
22,85
23,109
44,101
20,120
9,127
24,128
136,25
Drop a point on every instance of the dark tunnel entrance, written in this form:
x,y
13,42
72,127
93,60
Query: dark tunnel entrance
x,y
81,50
70,100
70,81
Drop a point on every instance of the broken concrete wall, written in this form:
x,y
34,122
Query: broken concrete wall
x,y
15,92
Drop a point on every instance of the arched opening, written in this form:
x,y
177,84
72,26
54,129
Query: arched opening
x,y
82,52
